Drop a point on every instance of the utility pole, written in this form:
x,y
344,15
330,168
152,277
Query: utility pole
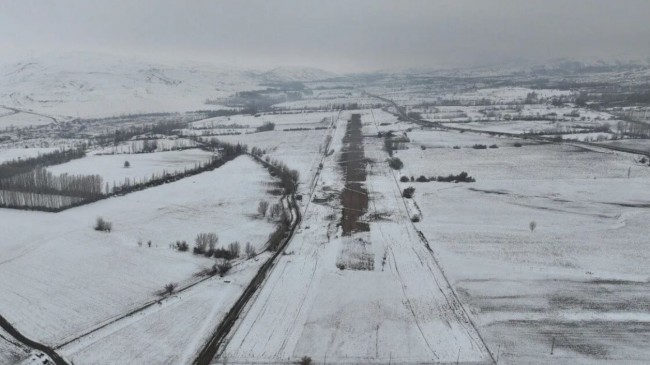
x,y
498,353
552,345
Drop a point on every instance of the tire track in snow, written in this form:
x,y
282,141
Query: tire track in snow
x,y
456,300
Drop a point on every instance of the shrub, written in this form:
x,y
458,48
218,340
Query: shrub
x,y
182,246
404,179
250,250
127,164
205,241
415,218
395,163
408,192
306,360
479,146
169,288
223,267
422,178
423,147
532,225
222,253
103,225
494,146
262,207
517,144
456,147
268,126
462,177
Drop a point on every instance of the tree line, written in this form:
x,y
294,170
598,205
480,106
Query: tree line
x,y
21,166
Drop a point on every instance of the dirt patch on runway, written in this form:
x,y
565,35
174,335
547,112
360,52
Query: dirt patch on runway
x,y
354,197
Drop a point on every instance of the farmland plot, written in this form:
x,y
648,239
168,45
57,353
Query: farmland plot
x,y
547,248
63,278
8,154
142,166
181,324
300,149
398,309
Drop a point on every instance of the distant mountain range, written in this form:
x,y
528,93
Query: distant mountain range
x,y
92,85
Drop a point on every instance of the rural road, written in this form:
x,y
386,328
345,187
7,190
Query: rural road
x,y
209,351
16,111
58,360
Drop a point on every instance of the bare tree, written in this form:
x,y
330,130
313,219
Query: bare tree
x,y
250,250
204,241
262,207
276,210
234,249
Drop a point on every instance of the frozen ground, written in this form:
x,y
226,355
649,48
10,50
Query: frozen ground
x,y
60,277
578,280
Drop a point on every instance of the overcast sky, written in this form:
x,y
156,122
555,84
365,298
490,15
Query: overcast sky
x,y
341,36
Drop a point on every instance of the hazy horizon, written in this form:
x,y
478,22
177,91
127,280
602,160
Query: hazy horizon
x,y
338,36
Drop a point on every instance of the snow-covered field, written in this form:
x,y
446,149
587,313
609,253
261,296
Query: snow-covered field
x,y
137,146
547,249
8,154
60,277
181,324
578,279
23,120
400,311
300,149
142,165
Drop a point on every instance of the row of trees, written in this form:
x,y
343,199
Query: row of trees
x,y
288,177
42,181
125,134
40,189
46,202
21,166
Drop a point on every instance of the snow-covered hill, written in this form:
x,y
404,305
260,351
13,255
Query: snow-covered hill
x,y
93,85
289,74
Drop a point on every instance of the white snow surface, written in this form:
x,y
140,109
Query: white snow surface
x,y
61,278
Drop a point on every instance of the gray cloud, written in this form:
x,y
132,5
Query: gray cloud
x,y
336,35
